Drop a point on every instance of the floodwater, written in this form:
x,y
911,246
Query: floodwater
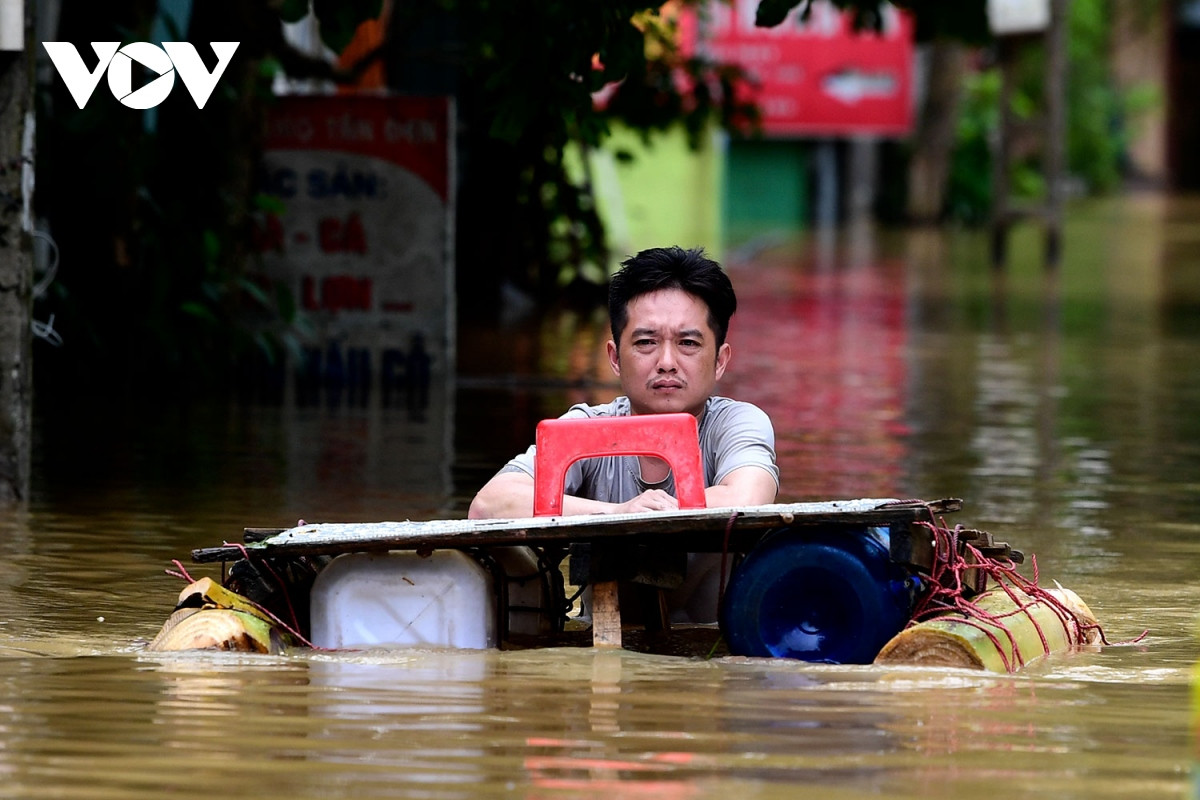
x,y
1063,411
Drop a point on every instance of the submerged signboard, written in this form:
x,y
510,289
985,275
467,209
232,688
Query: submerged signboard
x,y
359,232
363,234
816,76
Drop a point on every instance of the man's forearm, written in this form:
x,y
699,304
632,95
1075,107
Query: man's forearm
x,y
510,496
748,486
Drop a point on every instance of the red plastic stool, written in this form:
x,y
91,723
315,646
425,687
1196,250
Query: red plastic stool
x,y
561,442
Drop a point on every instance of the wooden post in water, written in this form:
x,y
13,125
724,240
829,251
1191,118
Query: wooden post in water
x,y
1051,129
606,615
1001,220
1054,157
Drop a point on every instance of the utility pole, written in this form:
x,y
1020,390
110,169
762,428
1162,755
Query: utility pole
x,y
16,260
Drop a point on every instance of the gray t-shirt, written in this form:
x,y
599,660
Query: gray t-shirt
x,y
733,434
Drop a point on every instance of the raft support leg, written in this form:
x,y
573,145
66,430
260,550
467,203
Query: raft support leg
x,y
606,615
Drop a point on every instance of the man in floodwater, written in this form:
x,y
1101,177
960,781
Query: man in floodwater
x,y
670,310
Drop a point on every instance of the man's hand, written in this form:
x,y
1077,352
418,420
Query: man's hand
x,y
649,500
509,495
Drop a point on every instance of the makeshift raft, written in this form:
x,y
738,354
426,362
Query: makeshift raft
x,y
788,557
647,550
841,581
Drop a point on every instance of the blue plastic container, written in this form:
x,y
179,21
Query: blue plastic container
x,y
829,595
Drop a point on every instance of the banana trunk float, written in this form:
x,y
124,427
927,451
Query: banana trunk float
x,y
211,617
1010,630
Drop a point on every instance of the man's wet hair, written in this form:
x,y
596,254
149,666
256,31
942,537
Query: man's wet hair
x,y
672,268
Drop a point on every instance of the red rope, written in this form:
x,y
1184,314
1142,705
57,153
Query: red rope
x,y
180,571
294,631
724,555
948,594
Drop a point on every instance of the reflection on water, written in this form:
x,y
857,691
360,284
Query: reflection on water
x,y
1061,409
585,723
823,351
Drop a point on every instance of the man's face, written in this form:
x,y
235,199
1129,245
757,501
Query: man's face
x,y
668,359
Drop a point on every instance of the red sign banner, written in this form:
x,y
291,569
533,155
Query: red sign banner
x,y
815,77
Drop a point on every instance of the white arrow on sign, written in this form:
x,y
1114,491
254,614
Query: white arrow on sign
x,y
851,85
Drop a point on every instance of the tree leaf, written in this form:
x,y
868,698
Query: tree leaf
x,y
293,10
339,20
198,310
211,244
269,203
772,12
255,291
285,302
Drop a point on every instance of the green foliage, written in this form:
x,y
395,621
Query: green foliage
x,y
671,89
1097,114
157,273
969,193
293,10
530,72
1095,140
152,288
338,19
534,63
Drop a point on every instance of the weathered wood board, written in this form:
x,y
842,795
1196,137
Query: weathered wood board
x,y
695,530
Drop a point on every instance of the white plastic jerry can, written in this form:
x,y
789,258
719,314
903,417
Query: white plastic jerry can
x,y
445,599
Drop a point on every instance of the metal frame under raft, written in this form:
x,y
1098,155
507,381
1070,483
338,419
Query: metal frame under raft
x,y
648,549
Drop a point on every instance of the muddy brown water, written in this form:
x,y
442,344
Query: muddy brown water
x,y
1063,411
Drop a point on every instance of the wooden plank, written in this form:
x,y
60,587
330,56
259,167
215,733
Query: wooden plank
x,y
695,530
606,615
258,534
